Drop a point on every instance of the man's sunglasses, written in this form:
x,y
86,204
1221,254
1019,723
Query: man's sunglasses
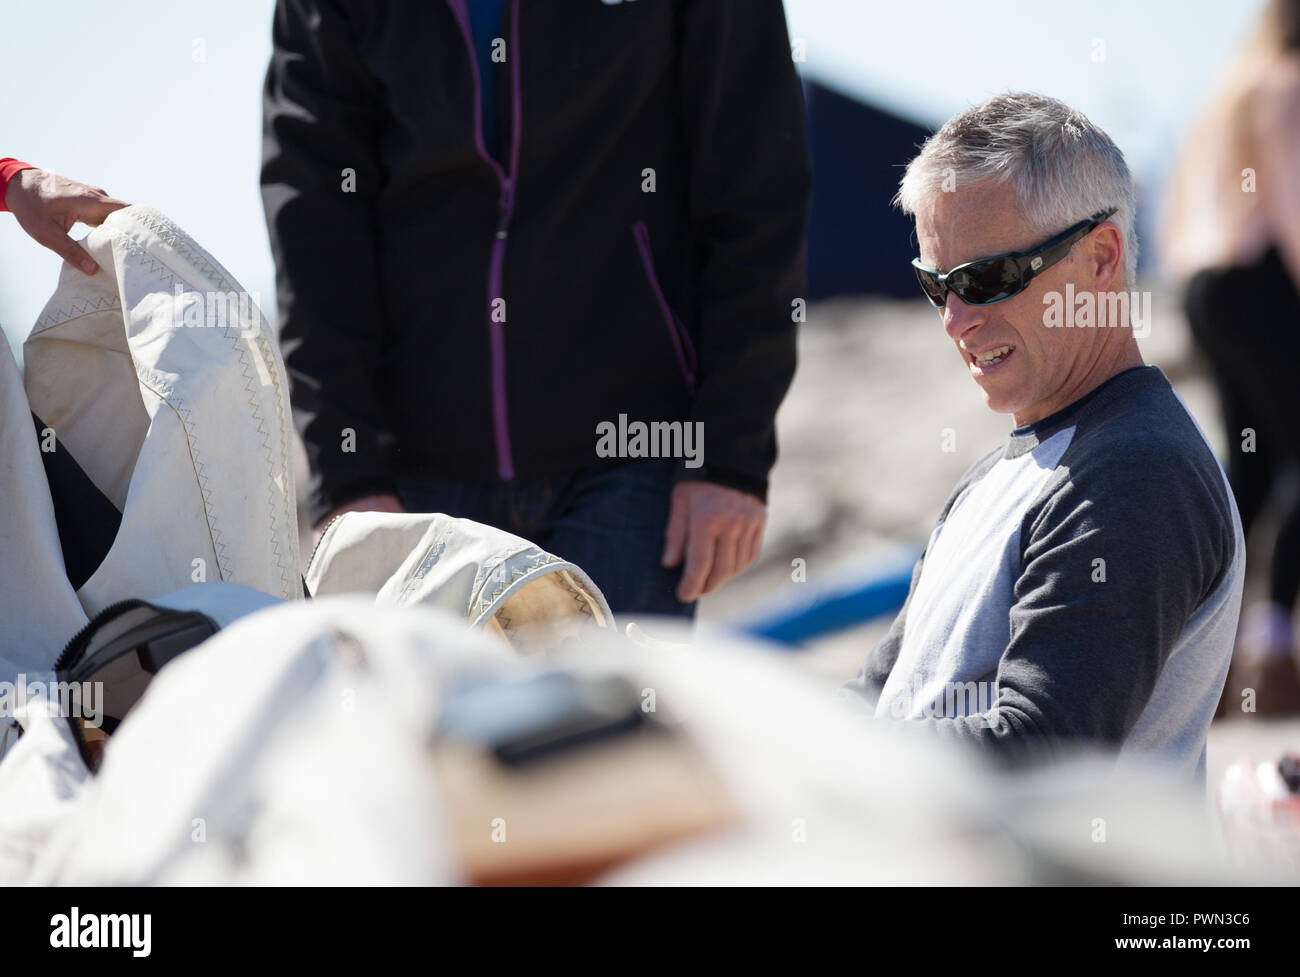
x,y
992,280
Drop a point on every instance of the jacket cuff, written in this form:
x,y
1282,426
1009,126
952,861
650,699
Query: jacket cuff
x,y
721,476
9,168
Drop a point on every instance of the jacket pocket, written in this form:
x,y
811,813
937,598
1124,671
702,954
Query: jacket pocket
x,y
677,332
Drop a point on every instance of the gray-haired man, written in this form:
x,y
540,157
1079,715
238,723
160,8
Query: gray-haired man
x,y
1084,579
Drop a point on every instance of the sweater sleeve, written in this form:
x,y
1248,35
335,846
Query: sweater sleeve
x,y
1116,556
9,168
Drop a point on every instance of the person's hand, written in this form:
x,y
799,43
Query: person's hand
x,y
46,206
719,530
368,503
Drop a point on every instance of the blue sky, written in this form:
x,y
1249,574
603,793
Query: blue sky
x,y
158,101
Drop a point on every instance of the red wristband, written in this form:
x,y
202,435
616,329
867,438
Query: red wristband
x,y
8,168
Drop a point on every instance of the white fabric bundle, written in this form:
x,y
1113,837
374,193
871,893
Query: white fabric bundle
x,y
481,575
294,747
160,376
181,420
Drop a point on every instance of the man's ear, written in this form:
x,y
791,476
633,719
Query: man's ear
x,y
1106,254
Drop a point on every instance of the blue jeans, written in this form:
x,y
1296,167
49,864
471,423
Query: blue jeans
x,y
609,521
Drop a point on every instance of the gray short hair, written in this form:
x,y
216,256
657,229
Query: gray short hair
x,y
1061,167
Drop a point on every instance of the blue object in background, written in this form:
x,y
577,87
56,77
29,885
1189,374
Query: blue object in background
x,y
879,588
857,242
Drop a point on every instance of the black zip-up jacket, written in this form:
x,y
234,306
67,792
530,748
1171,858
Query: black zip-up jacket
x,y
446,315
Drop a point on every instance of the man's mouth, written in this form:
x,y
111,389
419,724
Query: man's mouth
x,y
990,358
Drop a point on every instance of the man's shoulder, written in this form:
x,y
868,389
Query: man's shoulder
x,y
1140,481
1143,461
1145,433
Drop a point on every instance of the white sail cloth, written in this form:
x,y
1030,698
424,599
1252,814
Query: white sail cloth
x,y
488,578
294,748
161,378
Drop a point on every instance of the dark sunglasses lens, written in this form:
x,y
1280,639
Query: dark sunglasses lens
x,y
983,282
930,285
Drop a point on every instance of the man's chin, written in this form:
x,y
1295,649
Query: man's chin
x,y
1000,402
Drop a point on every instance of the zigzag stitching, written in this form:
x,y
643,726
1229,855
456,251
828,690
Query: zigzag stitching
x,y
584,606
204,263
426,564
542,559
62,315
205,490
283,497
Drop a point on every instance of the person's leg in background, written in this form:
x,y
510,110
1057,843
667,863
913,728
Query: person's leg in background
x,y
1277,390
1272,349
1251,348
1264,657
1284,575
611,522
1250,473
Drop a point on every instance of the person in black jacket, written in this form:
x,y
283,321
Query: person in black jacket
x,y
525,251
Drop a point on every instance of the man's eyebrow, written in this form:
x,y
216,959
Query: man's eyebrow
x,y
967,261
934,267
920,256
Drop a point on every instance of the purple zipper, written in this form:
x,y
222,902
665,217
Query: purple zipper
x,y
506,209
682,344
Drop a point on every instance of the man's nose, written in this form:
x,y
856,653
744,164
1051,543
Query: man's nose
x,y
960,318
